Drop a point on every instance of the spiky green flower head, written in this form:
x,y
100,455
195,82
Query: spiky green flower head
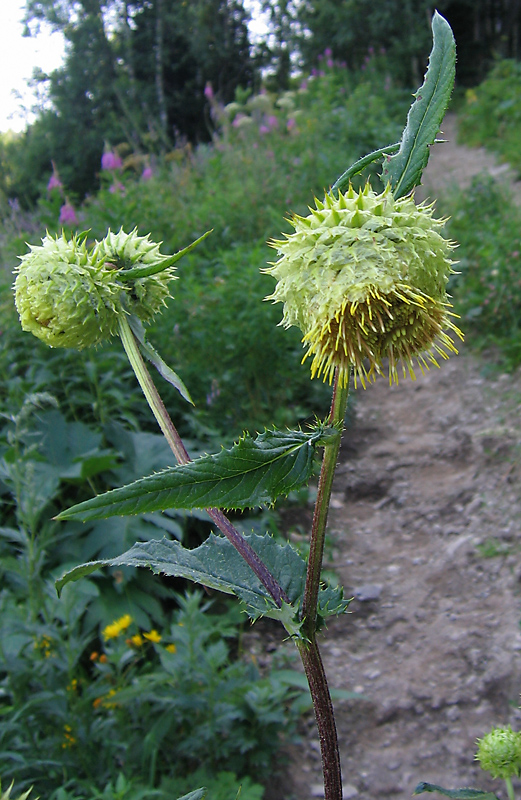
x,y
499,752
63,297
146,294
70,295
364,277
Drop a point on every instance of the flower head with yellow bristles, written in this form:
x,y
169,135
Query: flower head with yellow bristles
x,y
364,277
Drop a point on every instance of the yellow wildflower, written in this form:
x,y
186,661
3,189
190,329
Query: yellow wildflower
x,y
136,640
153,636
171,648
113,630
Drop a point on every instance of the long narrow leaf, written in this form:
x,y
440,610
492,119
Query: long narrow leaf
x,y
404,170
252,472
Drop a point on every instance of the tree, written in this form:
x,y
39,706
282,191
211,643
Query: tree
x,y
135,71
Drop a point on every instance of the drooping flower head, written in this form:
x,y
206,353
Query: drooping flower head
x,y
499,752
364,278
69,295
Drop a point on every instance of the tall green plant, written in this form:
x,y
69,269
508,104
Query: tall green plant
x,y
363,277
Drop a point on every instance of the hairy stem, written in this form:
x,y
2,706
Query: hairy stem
x,y
180,452
325,718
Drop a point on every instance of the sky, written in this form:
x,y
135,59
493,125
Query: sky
x,y
18,58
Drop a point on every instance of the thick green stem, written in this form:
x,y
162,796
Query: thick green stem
x,y
318,530
510,788
179,450
308,647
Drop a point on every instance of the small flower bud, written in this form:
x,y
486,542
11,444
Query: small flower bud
x,y
62,298
364,279
123,251
70,296
499,752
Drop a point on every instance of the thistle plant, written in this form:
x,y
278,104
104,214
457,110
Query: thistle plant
x,y
364,278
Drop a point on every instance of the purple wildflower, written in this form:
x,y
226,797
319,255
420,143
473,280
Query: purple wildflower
x,y
290,124
54,182
67,214
263,129
147,174
110,160
208,92
272,121
328,52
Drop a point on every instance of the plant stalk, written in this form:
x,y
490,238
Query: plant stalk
x,y
180,452
510,789
318,530
308,647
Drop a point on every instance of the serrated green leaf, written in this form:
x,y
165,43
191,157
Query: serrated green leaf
x,y
455,794
252,472
217,565
404,170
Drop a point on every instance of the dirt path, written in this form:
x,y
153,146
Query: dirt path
x,y
430,473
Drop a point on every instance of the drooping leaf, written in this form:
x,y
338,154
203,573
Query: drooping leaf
x,y
252,472
404,170
455,794
217,565
153,356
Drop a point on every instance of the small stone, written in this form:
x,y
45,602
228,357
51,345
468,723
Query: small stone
x,y
368,592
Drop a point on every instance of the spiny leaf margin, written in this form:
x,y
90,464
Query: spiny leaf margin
x,y
252,472
217,565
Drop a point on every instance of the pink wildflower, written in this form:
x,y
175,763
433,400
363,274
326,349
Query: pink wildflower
x,y
67,214
330,63
263,129
290,124
147,174
54,181
208,92
116,187
328,52
272,121
110,160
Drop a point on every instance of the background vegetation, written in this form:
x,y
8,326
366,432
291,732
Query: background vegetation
x,y
128,687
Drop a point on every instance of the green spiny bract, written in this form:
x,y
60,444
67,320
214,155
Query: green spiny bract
x,y
63,297
364,278
499,752
146,295
69,295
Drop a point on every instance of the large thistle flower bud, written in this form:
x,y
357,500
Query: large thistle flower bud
x,y
71,296
364,277
63,297
499,752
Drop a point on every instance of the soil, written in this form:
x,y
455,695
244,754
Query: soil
x,y
425,532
